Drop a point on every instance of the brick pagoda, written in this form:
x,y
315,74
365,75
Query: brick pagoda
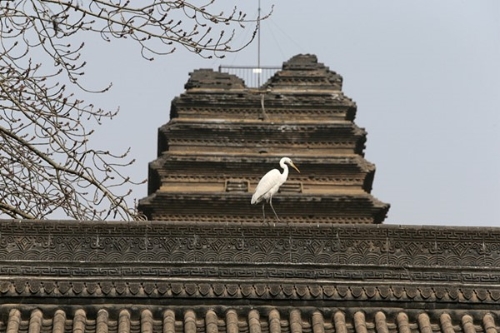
x,y
222,137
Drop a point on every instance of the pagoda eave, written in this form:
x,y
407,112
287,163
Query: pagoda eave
x,y
327,208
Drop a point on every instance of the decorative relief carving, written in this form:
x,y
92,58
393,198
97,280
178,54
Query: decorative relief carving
x,y
213,260
333,244
222,289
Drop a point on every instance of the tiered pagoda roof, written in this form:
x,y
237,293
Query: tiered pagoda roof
x,y
223,137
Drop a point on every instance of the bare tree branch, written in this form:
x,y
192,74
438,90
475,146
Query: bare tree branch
x,y
46,163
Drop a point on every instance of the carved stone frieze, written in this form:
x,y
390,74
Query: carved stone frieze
x,y
229,289
333,244
313,265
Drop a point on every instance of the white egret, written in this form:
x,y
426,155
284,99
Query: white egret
x,y
270,184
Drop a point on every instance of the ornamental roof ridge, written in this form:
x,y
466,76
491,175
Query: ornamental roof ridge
x,y
380,265
406,247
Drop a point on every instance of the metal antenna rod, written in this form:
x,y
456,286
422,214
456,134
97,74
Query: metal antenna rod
x,y
258,48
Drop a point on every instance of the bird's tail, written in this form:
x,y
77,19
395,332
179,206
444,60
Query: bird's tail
x,y
255,199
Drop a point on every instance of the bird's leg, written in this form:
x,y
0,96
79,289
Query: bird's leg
x,y
271,203
263,211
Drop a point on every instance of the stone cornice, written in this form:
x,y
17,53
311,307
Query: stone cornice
x,y
227,208
250,261
254,243
255,165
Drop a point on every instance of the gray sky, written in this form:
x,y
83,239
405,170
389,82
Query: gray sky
x,y
425,75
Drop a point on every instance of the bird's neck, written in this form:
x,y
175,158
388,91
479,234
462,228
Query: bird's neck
x,y
285,171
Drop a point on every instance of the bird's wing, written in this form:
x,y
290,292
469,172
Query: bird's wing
x,y
270,179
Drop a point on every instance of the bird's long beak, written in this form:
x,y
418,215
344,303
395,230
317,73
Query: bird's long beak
x,y
293,166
